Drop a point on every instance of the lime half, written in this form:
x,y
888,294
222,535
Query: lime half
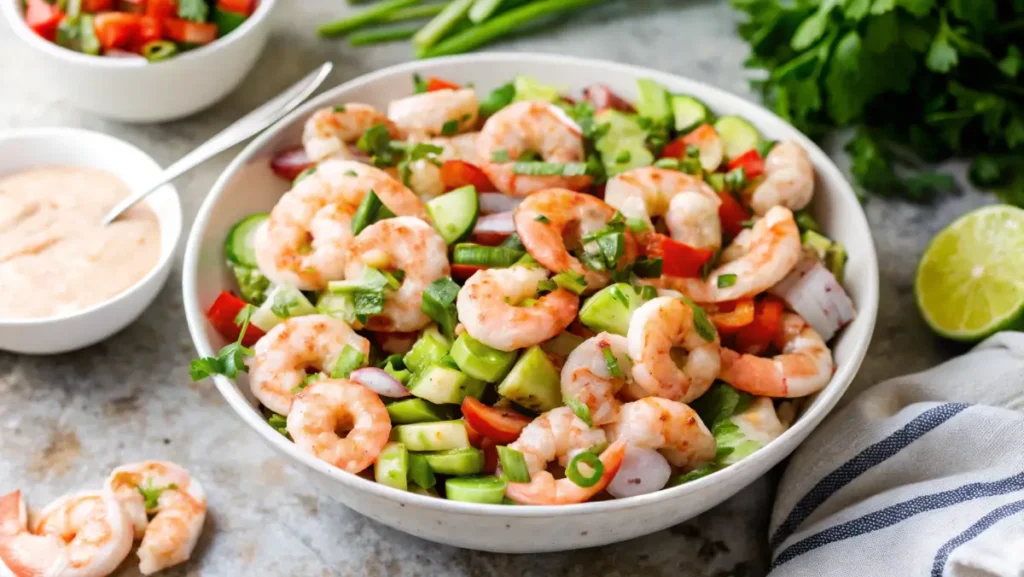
x,y
970,282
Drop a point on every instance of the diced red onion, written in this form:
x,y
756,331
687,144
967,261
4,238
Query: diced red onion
x,y
601,97
495,202
814,293
500,223
643,471
378,381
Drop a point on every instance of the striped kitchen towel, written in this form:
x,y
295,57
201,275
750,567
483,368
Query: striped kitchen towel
x,y
922,475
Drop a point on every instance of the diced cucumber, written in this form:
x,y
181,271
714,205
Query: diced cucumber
x,y
562,345
738,135
609,309
392,466
368,212
226,20
443,385
283,302
689,112
486,490
402,375
817,243
481,361
439,436
621,126
534,382
431,492
835,260
454,214
409,411
652,101
468,461
624,146
339,306
420,472
528,88
427,350
239,246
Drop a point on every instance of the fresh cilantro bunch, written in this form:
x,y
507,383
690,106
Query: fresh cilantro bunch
x,y
921,80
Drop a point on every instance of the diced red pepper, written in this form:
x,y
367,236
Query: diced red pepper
x,y
751,161
162,9
116,30
678,259
92,6
245,7
464,271
434,83
475,438
222,316
731,213
132,6
190,32
490,449
290,163
677,148
602,97
730,317
674,149
500,425
43,18
766,326
459,173
150,30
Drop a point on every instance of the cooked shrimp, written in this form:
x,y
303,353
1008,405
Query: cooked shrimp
x,y
586,377
530,126
804,367
177,518
671,427
328,406
558,435
760,259
80,535
437,113
407,244
348,182
424,175
649,192
658,328
788,182
284,354
547,220
488,307
329,130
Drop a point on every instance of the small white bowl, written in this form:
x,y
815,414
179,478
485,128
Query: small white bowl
x,y
248,186
135,90
39,147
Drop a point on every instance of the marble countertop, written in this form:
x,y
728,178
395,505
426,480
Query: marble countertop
x,y
69,419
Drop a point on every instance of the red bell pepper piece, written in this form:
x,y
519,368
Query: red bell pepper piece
x,y
677,148
93,6
222,316
245,7
766,326
132,6
750,161
500,425
290,163
458,173
434,84
162,9
731,213
464,271
674,149
150,30
730,317
43,18
490,449
116,30
678,259
190,32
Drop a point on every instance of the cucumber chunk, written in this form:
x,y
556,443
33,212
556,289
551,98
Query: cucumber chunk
x,y
689,112
817,243
341,307
454,214
420,472
486,490
534,382
652,101
439,436
468,461
738,135
427,350
283,302
409,411
239,245
443,385
624,146
392,466
481,361
562,345
609,309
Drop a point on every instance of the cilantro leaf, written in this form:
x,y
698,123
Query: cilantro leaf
x,y
194,10
151,495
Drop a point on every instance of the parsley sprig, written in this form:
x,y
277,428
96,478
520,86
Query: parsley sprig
x,y
231,359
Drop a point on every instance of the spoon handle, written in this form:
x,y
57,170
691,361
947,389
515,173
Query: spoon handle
x,y
243,128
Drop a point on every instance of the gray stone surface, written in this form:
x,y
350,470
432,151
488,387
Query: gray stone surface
x,y
69,419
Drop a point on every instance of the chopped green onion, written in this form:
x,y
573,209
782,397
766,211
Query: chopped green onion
x,y
710,265
439,27
500,155
373,14
419,85
349,360
623,157
513,465
279,423
498,98
367,302
543,219
581,410
367,212
376,141
612,363
647,292
550,168
704,327
749,223
637,225
482,10
764,147
694,474
513,242
450,128
414,12
726,280
546,285
667,163
382,35
692,151
648,267
804,221
439,304
736,179
304,174
571,281
394,278
486,256
307,381
716,181
691,166
590,459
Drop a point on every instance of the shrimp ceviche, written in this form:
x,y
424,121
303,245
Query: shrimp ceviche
x,y
521,297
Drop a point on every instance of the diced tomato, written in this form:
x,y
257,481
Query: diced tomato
x,y
116,30
500,425
730,317
97,5
677,148
222,316
464,271
290,163
751,161
678,259
150,30
490,449
162,9
674,149
245,7
599,189
475,438
43,18
602,97
459,173
132,6
190,32
765,327
434,83
731,213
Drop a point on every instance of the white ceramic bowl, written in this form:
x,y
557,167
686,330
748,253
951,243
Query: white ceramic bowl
x,y
134,90
249,186
23,149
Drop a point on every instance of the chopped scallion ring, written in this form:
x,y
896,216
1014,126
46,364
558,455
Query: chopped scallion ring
x,y
592,461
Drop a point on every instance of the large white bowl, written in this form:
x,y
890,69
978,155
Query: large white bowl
x,y
135,90
248,186
37,147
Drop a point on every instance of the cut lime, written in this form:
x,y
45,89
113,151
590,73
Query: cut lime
x,y
970,282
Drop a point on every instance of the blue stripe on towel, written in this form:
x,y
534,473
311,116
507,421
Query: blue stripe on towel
x,y
983,524
863,462
897,513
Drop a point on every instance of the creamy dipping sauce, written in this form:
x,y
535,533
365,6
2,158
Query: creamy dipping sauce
x,y
55,256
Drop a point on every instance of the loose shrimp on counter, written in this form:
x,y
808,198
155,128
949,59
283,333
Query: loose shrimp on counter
x,y
329,130
788,182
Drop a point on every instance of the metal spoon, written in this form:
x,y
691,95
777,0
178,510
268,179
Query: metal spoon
x,y
250,124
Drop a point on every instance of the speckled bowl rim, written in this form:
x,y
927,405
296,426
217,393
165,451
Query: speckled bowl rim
x,y
827,398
